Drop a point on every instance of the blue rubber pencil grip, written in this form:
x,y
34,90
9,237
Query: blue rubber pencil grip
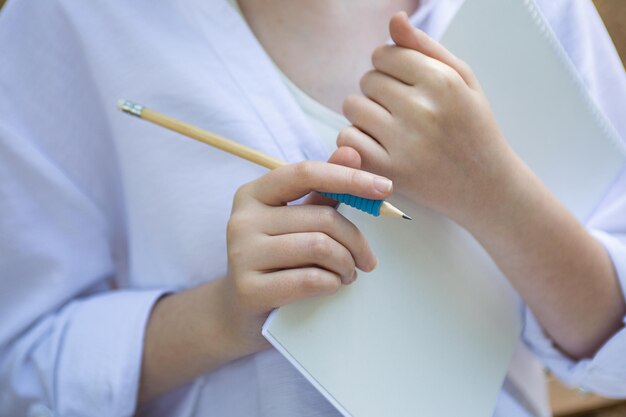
x,y
364,204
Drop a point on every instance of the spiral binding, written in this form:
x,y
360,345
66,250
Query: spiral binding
x,y
364,204
539,19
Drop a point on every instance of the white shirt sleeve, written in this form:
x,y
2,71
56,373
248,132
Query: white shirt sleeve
x,y
588,45
83,360
70,342
605,373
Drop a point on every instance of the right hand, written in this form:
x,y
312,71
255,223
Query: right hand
x,y
278,254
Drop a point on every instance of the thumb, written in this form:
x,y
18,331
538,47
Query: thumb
x,y
404,34
345,156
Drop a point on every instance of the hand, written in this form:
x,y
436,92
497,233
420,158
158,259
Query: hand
x,y
424,122
278,254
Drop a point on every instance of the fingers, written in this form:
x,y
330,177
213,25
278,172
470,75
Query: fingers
x,y
297,250
415,69
307,218
384,90
407,36
369,116
374,156
403,64
345,156
289,285
293,181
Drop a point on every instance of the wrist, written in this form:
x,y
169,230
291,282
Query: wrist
x,y
501,199
218,320
184,339
194,332
237,330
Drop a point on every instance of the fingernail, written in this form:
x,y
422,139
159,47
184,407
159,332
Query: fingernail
x,y
383,185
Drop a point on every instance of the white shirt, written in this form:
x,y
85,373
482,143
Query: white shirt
x,y
101,213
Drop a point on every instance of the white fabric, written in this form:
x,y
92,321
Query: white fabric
x,y
325,122
101,213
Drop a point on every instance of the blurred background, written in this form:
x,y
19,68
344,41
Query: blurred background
x,y
567,402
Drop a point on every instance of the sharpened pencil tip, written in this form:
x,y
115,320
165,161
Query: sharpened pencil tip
x,y
387,209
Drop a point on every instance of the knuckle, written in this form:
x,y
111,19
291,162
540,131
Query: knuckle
x,y
242,196
314,281
311,280
350,104
425,108
379,54
353,178
343,138
430,113
366,80
233,227
414,104
410,59
242,192
320,246
237,224
327,217
348,264
303,170
464,68
446,77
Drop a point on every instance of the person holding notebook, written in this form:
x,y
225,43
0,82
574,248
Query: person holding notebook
x,y
119,291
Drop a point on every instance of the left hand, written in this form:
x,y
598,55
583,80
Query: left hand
x,y
425,123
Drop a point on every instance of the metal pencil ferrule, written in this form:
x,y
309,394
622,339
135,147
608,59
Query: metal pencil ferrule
x,y
130,107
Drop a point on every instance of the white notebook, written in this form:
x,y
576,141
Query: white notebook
x,y
432,330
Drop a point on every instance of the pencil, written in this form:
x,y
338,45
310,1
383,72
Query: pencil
x,y
374,207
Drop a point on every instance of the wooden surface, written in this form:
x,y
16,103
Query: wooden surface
x,y
613,13
571,402
612,411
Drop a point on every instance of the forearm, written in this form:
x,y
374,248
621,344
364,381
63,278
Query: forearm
x,y
186,337
564,275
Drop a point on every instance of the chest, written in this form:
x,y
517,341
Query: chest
x,y
324,50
